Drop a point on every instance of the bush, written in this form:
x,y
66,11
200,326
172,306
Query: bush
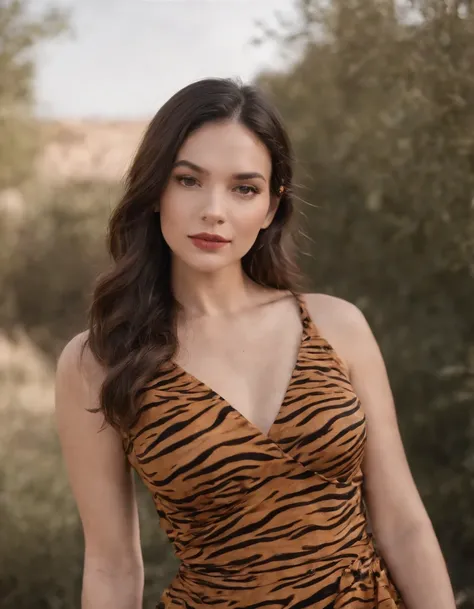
x,y
58,251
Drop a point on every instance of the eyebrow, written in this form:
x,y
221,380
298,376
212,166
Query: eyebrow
x,y
236,176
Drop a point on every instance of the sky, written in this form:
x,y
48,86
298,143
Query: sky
x,y
125,58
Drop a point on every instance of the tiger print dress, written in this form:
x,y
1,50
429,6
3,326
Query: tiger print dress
x,y
273,520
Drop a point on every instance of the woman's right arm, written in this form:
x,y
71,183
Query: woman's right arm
x,y
102,483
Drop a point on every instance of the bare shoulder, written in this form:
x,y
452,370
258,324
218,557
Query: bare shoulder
x,y
341,323
72,354
334,309
76,363
78,383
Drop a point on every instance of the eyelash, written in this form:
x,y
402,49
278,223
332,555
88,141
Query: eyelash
x,y
254,190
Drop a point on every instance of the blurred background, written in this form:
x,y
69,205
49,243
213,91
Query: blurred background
x,y
378,96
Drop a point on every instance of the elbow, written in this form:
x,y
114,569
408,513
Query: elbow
x,y
405,531
114,583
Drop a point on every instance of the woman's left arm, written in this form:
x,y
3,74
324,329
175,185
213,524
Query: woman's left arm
x,y
402,529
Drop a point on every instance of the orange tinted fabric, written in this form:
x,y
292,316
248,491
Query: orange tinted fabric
x,y
271,520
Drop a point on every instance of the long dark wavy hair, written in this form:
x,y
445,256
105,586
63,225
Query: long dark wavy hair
x,y
132,317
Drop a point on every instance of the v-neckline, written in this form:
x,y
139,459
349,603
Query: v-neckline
x,y
236,411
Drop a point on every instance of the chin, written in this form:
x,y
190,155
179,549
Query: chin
x,y
205,263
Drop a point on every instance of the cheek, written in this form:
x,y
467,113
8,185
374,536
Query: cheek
x,y
250,220
173,218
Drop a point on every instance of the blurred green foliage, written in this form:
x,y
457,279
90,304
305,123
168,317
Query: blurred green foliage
x,y
58,251
20,33
379,105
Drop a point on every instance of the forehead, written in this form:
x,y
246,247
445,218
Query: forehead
x,y
226,147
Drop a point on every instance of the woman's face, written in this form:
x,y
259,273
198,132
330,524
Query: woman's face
x,y
219,188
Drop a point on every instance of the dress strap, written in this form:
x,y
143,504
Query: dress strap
x,y
314,336
309,326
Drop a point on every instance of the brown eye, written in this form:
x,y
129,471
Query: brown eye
x,y
187,181
247,190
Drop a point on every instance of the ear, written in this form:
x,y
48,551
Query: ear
x,y
274,203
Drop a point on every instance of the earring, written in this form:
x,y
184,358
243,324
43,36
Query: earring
x,y
281,190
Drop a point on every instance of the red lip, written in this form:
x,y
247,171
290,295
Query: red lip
x,y
209,237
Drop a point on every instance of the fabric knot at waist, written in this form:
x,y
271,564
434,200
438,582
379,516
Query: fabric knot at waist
x,y
365,580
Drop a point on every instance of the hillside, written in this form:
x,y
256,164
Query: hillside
x,y
88,149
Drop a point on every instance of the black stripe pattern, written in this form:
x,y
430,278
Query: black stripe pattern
x,y
272,521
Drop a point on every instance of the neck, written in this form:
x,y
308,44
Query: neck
x,y
226,291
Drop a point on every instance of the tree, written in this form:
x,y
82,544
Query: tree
x,y
20,33
379,106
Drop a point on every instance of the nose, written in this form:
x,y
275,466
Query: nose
x,y
213,210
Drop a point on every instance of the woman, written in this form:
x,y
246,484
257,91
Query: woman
x,y
260,419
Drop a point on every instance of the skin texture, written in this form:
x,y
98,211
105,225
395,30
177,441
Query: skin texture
x,y
231,329
212,200
102,485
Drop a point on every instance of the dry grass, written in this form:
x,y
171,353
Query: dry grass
x,y
88,149
26,375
